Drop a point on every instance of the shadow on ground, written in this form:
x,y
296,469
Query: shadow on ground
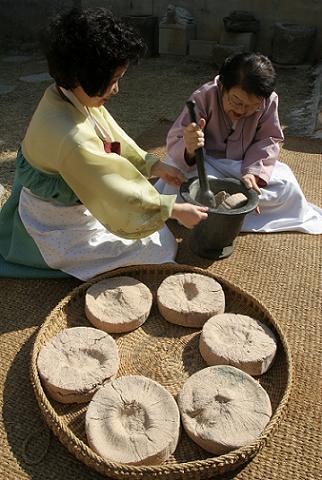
x,y
35,449
22,301
303,144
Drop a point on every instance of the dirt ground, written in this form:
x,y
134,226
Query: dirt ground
x,y
155,89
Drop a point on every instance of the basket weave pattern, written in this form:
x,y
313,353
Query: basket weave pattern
x,y
168,354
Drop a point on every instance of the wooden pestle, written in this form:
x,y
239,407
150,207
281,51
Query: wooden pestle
x,y
204,195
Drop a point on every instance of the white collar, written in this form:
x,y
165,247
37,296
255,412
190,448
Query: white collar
x,y
99,129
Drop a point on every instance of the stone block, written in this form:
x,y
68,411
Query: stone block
x,y
128,7
95,3
174,39
292,43
141,7
148,27
202,48
221,52
318,125
248,40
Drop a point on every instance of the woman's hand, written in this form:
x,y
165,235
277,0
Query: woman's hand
x,y
168,173
194,137
250,181
188,215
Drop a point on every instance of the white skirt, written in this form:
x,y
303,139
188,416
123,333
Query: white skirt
x,y
70,239
282,203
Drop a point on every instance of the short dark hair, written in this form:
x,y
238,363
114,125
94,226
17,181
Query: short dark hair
x,y
85,47
252,72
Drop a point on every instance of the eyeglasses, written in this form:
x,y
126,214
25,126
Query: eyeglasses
x,y
237,104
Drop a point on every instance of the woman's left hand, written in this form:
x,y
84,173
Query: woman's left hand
x,y
250,181
168,173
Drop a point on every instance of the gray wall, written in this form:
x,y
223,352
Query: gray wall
x,y
209,15
20,19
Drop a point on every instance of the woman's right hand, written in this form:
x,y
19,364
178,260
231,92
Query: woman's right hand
x,y
189,215
194,137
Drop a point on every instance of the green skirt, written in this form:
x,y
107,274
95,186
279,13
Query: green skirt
x,y
19,254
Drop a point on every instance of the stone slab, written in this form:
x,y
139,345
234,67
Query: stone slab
x,y
4,89
221,52
175,39
36,78
202,48
248,40
129,7
17,58
97,3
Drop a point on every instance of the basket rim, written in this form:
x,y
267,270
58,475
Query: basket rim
x,y
81,450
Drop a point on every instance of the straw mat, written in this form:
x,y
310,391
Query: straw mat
x,y
283,271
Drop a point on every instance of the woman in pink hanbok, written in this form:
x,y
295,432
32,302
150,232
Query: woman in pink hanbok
x,y
239,129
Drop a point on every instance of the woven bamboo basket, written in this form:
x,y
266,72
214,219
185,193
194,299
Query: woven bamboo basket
x,y
168,354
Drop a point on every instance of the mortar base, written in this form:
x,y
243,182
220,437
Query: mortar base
x,y
212,254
